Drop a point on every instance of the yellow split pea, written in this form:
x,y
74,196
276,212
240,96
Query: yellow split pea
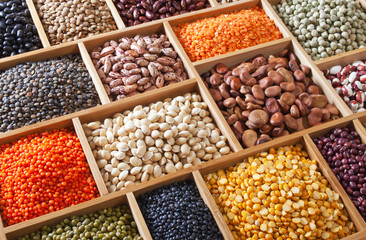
x,y
279,195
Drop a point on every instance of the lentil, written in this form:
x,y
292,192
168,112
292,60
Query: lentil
x,y
109,223
225,33
177,211
36,91
279,194
136,12
42,173
349,82
345,154
325,28
66,21
17,31
134,65
265,98
148,142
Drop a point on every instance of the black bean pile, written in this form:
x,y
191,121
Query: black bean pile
x,y
109,223
345,154
177,212
17,31
36,91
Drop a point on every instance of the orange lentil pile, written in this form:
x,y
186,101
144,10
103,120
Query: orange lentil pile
x,y
42,173
213,36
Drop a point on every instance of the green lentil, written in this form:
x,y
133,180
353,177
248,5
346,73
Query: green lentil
x,y
109,223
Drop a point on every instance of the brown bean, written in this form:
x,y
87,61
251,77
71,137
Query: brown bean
x,y
221,68
215,94
286,74
273,91
294,111
234,93
287,86
229,102
258,118
278,130
266,128
304,110
301,85
306,98
265,83
263,138
315,116
216,79
298,90
252,99
276,77
312,89
235,83
232,119
249,66
258,92
276,119
293,65
259,61
242,104
325,114
290,122
247,79
251,106
238,126
288,98
284,107
238,70
332,109
245,89
319,100
224,90
261,72
272,105
249,138
299,75
305,69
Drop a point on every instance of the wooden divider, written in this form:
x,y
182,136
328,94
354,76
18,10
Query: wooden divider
x,y
90,157
38,24
211,204
115,14
139,219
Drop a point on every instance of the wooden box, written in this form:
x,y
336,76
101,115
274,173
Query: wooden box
x,y
195,84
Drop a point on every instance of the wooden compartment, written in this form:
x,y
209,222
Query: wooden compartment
x,y
355,124
308,146
19,230
221,9
195,177
120,22
44,37
57,123
104,111
233,59
270,5
154,28
49,53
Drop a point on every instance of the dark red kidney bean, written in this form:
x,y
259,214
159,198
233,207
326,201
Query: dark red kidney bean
x,y
156,6
149,14
163,10
176,6
172,10
120,6
183,4
136,14
142,11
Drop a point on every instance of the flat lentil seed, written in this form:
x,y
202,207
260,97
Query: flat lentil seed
x,y
279,194
43,173
36,91
17,31
176,212
213,36
109,223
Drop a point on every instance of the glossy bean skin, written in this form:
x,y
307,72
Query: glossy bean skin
x,y
136,12
345,154
274,96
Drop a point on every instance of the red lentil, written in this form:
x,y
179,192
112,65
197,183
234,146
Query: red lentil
x,y
224,33
42,173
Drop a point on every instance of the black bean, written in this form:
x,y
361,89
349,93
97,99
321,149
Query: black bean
x,y
17,27
177,211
